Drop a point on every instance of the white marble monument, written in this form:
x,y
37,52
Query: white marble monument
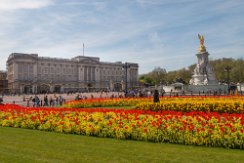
x,y
203,72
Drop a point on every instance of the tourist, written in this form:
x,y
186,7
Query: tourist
x,y
51,101
36,101
60,100
1,101
45,101
57,100
77,97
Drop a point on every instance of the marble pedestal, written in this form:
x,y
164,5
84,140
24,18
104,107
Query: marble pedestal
x,y
203,72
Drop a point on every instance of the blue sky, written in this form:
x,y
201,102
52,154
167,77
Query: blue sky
x,y
152,33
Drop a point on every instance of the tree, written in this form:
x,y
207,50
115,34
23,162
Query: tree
x,y
171,77
236,74
146,80
159,75
182,76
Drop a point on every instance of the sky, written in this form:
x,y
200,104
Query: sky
x,y
152,33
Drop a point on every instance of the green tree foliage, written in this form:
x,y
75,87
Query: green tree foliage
x,y
171,76
182,75
159,75
146,80
156,77
234,74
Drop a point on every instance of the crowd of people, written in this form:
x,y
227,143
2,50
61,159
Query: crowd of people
x,y
51,100
46,100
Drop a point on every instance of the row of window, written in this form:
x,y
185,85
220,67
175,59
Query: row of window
x,y
113,78
111,72
56,65
26,68
2,76
112,68
52,70
57,76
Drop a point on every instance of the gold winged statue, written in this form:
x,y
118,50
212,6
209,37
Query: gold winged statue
x,y
202,48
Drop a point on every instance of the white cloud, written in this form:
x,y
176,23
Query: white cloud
x,y
156,40
149,32
9,5
97,4
162,2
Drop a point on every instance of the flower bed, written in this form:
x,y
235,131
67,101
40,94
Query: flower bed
x,y
216,104
184,106
105,102
222,104
195,127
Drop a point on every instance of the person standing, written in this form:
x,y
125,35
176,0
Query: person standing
x,y
51,102
45,101
36,101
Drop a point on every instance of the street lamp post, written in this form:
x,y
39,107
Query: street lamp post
x,y
126,66
158,79
227,69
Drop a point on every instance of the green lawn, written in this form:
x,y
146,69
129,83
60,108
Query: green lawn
x,y
22,145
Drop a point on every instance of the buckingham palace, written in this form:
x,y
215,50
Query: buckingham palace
x,y
30,73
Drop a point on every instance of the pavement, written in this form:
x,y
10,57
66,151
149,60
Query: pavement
x,y
25,100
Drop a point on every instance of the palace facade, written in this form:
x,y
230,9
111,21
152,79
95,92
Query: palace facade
x,y
3,82
30,73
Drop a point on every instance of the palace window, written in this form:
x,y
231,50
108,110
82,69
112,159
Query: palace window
x,y
46,70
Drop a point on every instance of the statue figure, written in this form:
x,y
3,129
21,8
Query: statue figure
x,y
201,38
202,64
202,47
205,82
203,72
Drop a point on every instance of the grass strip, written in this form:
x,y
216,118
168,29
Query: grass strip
x,y
23,145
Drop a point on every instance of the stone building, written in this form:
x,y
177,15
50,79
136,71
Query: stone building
x,y
3,82
30,73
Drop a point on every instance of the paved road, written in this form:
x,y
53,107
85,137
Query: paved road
x,y
23,99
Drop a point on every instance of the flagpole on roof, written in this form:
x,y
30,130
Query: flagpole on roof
x,y
83,48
